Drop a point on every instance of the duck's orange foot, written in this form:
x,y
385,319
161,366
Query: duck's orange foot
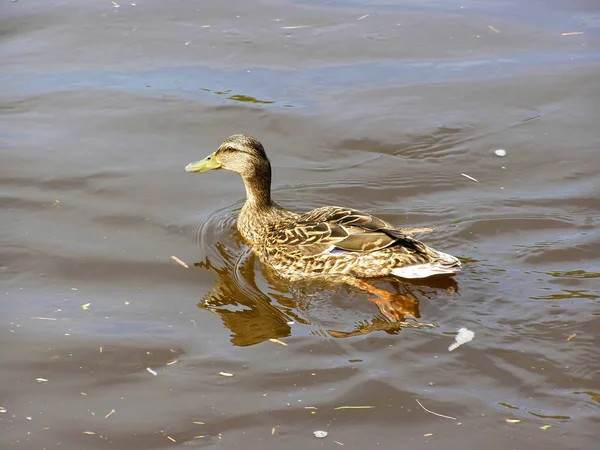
x,y
394,308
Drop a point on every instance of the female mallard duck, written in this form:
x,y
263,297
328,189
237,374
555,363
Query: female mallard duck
x,y
336,242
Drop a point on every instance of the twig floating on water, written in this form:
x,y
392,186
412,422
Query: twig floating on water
x,y
296,26
572,336
434,413
355,407
469,177
571,33
277,341
112,411
361,18
494,29
178,261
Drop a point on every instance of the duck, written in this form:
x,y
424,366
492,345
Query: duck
x,y
336,243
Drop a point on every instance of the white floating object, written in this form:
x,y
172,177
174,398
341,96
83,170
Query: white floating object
x,y
464,335
153,372
500,152
470,177
320,434
225,374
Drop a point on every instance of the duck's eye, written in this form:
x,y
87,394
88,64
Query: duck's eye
x,y
208,158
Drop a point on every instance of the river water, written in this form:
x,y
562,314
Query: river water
x,y
107,342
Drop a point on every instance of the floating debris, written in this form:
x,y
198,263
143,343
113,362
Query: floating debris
x,y
339,443
171,439
3,410
494,29
178,261
512,420
116,5
361,18
500,152
470,177
41,380
545,427
88,432
356,407
277,341
225,374
112,411
44,318
572,336
199,423
571,33
172,362
296,26
434,413
320,434
86,306
464,335
153,372
428,434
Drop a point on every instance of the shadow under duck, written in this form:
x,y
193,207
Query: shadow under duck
x,y
339,243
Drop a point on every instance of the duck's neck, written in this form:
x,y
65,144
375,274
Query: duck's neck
x,y
258,188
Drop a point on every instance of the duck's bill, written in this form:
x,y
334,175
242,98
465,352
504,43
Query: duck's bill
x,y
208,163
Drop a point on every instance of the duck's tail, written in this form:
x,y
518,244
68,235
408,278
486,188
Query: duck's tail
x,y
445,264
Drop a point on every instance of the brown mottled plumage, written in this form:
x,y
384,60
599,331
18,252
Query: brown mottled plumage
x,y
331,241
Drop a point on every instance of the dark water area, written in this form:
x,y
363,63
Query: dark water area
x,y
383,106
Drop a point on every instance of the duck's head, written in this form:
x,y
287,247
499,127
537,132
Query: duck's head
x,y
239,153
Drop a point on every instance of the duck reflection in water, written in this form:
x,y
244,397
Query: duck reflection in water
x,y
254,316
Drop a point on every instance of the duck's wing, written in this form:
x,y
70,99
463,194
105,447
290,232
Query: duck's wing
x,y
352,217
334,230
346,217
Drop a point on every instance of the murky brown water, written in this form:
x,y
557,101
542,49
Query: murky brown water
x,y
101,109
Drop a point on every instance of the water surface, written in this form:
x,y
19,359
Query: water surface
x,y
381,106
